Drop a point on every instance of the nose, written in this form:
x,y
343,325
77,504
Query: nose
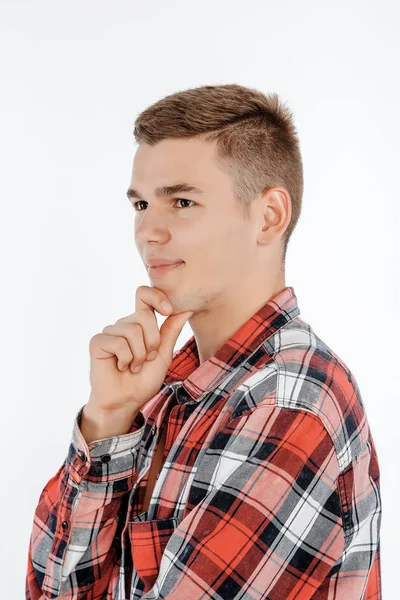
x,y
153,226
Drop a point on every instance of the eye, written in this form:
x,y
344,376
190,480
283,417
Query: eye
x,y
135,204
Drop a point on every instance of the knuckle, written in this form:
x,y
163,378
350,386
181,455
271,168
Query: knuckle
x,y
125,319
153,344
94,339
140,290
139,356
122,319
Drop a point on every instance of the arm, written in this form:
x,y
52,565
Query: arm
x,y
271,527
75,520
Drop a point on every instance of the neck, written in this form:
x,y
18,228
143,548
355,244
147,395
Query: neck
x,y
226,314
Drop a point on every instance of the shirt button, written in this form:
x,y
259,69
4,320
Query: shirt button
x,y
106,458
64,525
154,429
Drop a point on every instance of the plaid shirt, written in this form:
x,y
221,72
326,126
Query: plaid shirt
x,y
269,488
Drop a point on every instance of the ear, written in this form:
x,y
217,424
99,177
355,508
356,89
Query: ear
x,y
275,214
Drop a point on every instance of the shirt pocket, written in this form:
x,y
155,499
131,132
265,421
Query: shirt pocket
x,y
148,540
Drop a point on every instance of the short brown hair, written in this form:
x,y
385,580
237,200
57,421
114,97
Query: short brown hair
x,y
255,136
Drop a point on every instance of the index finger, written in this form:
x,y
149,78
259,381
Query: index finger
x,y
152,298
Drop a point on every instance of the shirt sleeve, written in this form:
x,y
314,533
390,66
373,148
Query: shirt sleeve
x,y
75,520
271,526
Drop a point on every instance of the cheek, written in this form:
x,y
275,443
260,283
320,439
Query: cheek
x,y
234,237
216,242
195,236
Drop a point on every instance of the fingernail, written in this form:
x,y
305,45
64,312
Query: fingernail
x,y
152,354
166,306
138,368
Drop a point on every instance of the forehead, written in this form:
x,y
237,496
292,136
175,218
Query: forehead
x,y
172,160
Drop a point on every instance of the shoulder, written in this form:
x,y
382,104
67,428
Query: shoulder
x,y
303,373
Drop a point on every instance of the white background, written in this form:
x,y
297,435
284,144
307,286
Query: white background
x,y
73,78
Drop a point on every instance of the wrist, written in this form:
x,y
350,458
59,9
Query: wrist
x,y
97,424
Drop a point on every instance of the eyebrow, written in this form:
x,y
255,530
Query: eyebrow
x,y
167,190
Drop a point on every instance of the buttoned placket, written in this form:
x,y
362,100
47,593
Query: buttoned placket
x,y
154,436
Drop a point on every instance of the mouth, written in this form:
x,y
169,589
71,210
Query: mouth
x,y
157,271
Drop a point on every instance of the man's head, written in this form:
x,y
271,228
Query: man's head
x,y
240,149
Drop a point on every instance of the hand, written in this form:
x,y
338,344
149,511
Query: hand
x,y
122,347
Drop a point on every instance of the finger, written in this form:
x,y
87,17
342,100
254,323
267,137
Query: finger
x,y
152,298
148,321
170,330
104,346
133,334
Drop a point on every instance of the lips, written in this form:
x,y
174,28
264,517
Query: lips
x,y
162,264
161,269
160,261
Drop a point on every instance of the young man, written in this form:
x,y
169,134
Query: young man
x,y
242,465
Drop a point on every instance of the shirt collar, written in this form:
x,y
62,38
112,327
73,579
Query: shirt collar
x,y
199,379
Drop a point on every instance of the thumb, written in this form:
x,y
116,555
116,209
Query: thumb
x,y
170,330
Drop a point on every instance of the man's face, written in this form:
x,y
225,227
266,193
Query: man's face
x,y
204,230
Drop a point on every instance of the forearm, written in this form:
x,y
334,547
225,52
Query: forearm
x,y
75,520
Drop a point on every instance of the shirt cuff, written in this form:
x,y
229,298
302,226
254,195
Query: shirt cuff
x,y
109,459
